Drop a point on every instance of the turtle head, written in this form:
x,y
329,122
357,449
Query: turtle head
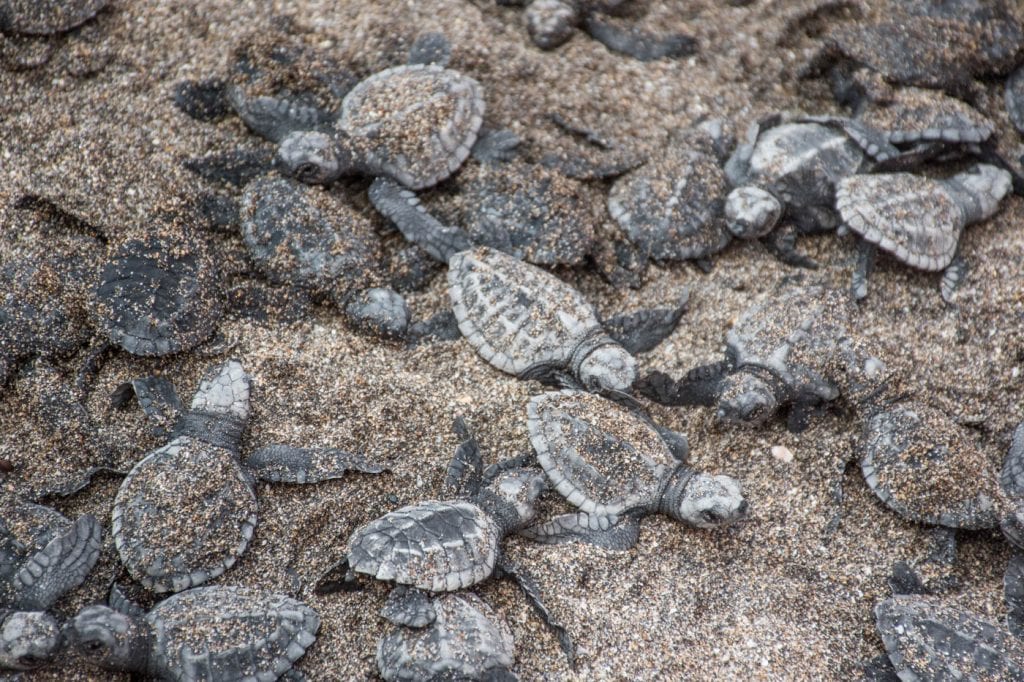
x,y
746,399
313,157
519,488
109,639
709,501
751,212
28,639
608,367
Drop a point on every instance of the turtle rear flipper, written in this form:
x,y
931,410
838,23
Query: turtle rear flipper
x,y
408,606
608,532
530,590
1012,476
643,330
157,398
59,566
401,207
287,464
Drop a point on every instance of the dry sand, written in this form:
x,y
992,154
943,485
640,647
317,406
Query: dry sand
x,y
94,131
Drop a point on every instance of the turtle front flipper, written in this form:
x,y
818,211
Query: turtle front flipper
x,y
639,45
157,398
287,464
338,578
879,669
550,374
531,591
862,270
430,48
1013,591
643,330
701,386
1011,477
59,566
801,411
465,471
952,277
677,442
781,243
274,118
408,606
495,146
401,207
601,531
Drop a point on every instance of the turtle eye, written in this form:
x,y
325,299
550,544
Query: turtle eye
x,y
29,661
709,516
308,172
93,645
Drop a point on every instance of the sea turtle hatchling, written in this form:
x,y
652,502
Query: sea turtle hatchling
x,y
918,219
452,636
46,17
796,349
213,633
616,467
42,556
455,543
187,510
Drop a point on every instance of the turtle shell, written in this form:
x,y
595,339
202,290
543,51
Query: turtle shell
x,y
415,123
912,217
791,151
44,17
436,546
466,639
928,638
159,295
600,457
927,469
671,207
302,236
183,515
797,337
514,314
920,115
228,632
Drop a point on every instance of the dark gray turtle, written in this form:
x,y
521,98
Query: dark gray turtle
x,y
918,219
551,23
42,556
912,116
187,510
46,17
452,544
207,633
928,44
794,350
1014,98
786,172
671,207
159,293
450,636
527,322
616,468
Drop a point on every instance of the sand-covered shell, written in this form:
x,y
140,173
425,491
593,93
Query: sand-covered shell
x,y
922,115
415,123
45,17
1014,98
602,458
928,469
207,633
159,294
433,545
514,314
928,638
671,207
466,640
187,510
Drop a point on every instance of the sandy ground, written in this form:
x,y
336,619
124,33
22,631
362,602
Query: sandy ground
x,y
94,132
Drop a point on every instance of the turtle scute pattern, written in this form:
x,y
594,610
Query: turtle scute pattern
x,y
466,640
416,123
206,633
45,17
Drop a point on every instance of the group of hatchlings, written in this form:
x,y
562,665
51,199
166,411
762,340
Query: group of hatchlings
x,y
414,125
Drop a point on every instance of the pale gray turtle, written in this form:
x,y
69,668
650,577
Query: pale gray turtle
x,y
671,208
187,510
159,293
452,544
527,322
794,350
450,636
46,17
912,117
209,634
42,556
917,219
786,173
616,467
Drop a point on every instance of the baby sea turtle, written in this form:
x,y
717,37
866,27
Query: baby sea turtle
x,y
671,208
915,117
527,322
452,544
616,468
918,219
159,293
46,17
187,510
208,633
794,350
787,171
452,637
42,556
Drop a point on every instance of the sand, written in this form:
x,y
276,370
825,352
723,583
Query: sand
x,y
94,132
